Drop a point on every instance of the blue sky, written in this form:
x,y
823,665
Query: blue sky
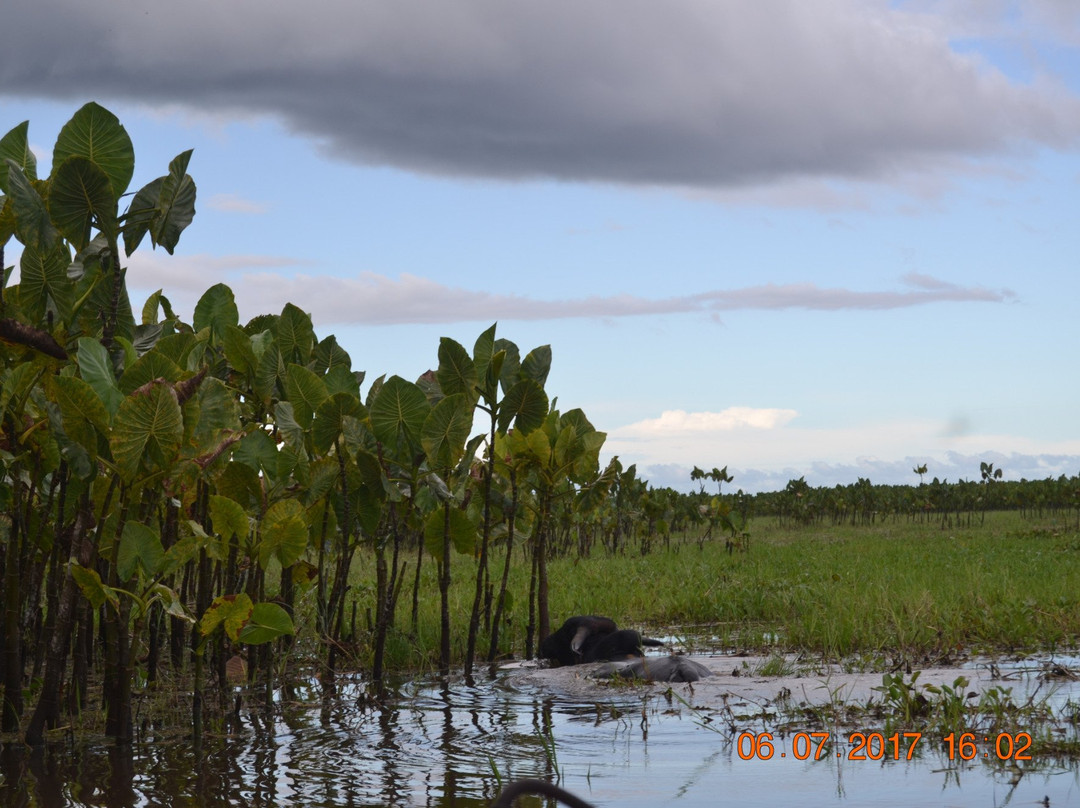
x,y
831,240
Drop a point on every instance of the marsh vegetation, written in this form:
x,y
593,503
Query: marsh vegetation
x,y
207,516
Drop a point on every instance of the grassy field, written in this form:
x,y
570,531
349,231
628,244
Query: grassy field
x,y
894,590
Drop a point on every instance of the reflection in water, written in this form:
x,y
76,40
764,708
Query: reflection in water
x,y
436,745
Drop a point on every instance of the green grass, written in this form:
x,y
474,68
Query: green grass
x,y
906,590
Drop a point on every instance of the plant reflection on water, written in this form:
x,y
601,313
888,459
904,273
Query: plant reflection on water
x,y
428,744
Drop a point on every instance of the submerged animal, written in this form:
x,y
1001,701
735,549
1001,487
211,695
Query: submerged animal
x,y
588,638
656,669
568,644
619,644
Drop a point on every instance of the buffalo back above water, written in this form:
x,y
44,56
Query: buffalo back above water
x,y
588,638
569,644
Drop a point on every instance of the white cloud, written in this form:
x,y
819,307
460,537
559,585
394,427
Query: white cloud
x,y
673,422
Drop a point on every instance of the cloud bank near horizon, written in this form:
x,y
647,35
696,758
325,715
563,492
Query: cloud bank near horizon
x,y
687,93
951,466
765,447
373,299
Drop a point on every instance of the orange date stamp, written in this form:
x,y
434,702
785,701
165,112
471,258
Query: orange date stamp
x,y
879,746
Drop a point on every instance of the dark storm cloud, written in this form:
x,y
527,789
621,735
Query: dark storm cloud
x,y
684,92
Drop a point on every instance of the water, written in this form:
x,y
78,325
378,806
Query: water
x,y
437,745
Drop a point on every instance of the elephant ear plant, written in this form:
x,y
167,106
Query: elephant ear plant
x,y
495,367
96,422
561,456
170,493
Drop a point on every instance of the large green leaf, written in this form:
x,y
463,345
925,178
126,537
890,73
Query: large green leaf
x,y
525,405
369,502
329,356
483,350
175,204
219,413
507,370
537,364
462,532
269,374
268,622
216,310
19,382
567,448
445,431
96,134
538,447
33,224
577,419
43,280
84,416
95,366
293,461
457,372
151,365
148,430
241,483
80,196
399,411
295,335
287,425
284,533
146,336
15,146
140,214
340,380
177,347
323,476
305,391
140,547
230,611
371,471
229,517
238,351
330,419
258,451
7,224
153,303
587,462
91,586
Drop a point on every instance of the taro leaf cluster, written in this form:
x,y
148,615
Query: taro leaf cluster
x,y
172,492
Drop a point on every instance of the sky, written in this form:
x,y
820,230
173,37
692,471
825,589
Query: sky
x,y
831,240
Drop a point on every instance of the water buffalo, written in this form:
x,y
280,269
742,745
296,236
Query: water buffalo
x,y
567,646
587,638
656,669
619,644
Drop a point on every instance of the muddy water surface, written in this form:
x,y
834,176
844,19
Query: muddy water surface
x,y
650,745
